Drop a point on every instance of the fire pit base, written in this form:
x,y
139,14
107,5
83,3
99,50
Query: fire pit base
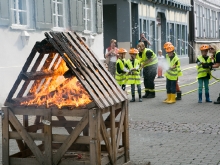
x,y
94,136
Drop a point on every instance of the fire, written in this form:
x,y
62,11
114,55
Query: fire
x,y
58,91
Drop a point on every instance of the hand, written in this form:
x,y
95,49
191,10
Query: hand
x,y
205,65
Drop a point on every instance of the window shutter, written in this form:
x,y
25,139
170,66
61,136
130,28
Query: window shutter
x,y
43,14
4,12
76,15
99,16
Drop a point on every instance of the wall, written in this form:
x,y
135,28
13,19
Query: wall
x,y
13,55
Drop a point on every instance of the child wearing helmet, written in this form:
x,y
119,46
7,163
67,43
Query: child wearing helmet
x,y
178,91
121,70
172,74
133,78
204,64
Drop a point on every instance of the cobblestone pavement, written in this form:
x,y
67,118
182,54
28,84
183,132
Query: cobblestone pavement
x,y
179,134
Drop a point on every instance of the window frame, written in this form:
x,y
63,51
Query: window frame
x,y
56,15
12,10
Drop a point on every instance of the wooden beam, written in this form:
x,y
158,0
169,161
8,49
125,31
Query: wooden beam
x,y
23,161
125,139
36,75
48,138
105,137
121,122
5,136
26,137
62,118
94,134
71,138
113,134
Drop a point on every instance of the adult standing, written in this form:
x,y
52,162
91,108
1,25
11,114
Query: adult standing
x,y
149,61
216,59
112,56
144,40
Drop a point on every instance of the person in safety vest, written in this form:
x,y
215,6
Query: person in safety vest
x,y
149,61
216,60
178,91
121,70
172,74
204,63
134,78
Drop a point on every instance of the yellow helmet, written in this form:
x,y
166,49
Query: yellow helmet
x,y
204,47
167,44
122,50
133,51
170,48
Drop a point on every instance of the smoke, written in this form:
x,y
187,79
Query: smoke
x,y
163,63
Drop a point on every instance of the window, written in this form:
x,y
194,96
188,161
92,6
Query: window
x,y
19,13
58,13
87,15
201,21
152,35
208,23
213,24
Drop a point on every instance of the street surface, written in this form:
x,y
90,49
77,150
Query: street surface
x,y
178,134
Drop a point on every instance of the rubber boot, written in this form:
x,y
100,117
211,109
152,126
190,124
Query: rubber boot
x,y
207,99
151,95
200,98
168,98
172,99
218,100
133,99
140,99
179,95
146,94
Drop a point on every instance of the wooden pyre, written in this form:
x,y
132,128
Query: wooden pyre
x,y
94,135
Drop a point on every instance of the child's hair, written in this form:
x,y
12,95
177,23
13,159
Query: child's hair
x,y
159,51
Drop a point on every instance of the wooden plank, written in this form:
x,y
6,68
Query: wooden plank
x,y
48,138
78,75
38,75
5,136
24,69
105,137
26,137
116,106
125,139
113,134
99,80
23,161
121,122
20,143
26,83
71,138
62,118
55,137
74,162
27,152
108,77
87,75
94,133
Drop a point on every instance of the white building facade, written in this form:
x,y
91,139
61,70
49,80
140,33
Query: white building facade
x,y
23,23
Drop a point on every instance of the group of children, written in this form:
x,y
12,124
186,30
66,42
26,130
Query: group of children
x,y
128,72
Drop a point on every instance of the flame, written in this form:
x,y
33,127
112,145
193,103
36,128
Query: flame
x,y
58,91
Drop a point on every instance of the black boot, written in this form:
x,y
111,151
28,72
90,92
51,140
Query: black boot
x,y
151,95
179,95
146,94
207,98
140,99
133,99
218,100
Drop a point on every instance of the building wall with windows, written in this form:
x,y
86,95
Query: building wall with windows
x,y
205,25
23,23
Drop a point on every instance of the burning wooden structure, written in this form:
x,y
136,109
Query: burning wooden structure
x,y
63,84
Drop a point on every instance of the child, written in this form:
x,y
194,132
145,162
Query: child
x,y
121,70
160,61
204,64
133,78
172,74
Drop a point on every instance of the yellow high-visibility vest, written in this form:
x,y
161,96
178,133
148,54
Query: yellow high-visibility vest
x,y
120,77
134,77
144,58
202,72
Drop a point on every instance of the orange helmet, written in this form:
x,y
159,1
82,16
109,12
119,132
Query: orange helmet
x,y
133,51
204,47
170,48
122,50
167,44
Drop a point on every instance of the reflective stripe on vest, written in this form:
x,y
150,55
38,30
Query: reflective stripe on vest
x,y
154,59
120,77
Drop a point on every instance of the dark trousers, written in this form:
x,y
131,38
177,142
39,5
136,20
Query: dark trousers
x,y
133,89
150,73
171,86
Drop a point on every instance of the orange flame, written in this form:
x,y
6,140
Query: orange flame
x,y
59,91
